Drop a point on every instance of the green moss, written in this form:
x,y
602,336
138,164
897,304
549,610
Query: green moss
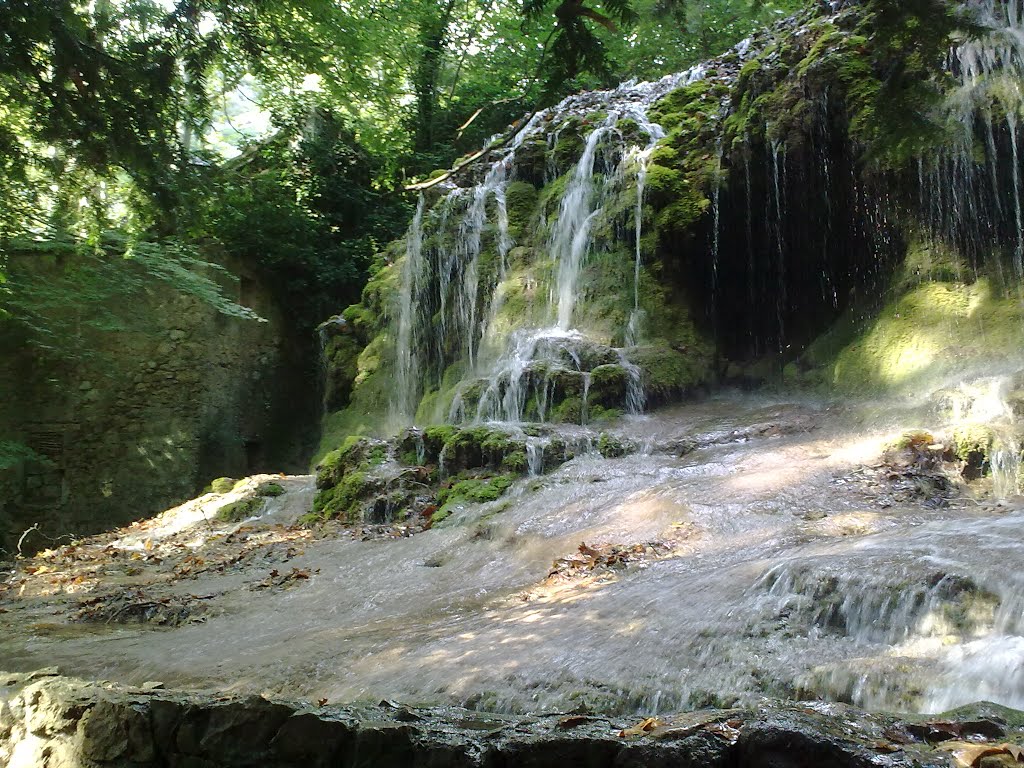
x,y
611,447
342,358
354,452
515,462
569,411
598,413
608,385
929,329
552,192
438,436
477,490
223,485
371,390
972,444
570,143
240,510
471,490
890,110
667,372
344,500
520,202
270,489
440,516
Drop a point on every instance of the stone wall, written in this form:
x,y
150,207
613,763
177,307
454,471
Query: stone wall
x,y
136,419
48,721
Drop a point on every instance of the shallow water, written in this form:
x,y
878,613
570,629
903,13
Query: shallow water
x,y
791,575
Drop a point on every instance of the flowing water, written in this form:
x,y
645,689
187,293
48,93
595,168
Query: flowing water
x,y
779,562
451,285
746,545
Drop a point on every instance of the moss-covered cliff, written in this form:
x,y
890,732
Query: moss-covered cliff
x,y
836,200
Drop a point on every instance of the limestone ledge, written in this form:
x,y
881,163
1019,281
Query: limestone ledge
x,y
48,720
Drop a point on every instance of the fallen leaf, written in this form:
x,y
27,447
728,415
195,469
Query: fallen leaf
x,y
968,754
641,728
881,746
724,731
148,545
572,721
321,702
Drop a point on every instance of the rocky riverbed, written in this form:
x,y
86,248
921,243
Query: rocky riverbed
x,y
747,546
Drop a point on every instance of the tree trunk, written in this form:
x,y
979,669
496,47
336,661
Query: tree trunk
x,y
433,36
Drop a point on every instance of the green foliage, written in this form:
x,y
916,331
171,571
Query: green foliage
x,y
303,209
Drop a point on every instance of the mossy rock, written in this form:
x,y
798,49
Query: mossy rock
x,y
222,485
531,160
566,384
342,355
568,411
478,447
612,447
608,386
972,444
520,202
240,510
270,489
668,373
345,501
353,453
555,453
570,144
478,490
928,330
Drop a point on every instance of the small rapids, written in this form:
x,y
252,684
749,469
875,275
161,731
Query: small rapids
x,y
749,547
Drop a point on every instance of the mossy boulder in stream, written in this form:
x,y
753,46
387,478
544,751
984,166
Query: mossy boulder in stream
x,y
408,479
668,373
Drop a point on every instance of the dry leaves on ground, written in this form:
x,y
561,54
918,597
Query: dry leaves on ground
x,y
969,754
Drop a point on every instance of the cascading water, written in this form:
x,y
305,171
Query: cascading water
x,y
570,238
710,555
406,368
967,196
809,579
641,157
457,285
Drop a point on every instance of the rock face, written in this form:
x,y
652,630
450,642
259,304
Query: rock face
x,y
48,721
833,202
127,422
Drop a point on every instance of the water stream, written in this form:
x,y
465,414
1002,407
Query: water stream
x,y
788,569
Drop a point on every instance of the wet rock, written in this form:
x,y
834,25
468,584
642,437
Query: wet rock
x,y
608,386
62,721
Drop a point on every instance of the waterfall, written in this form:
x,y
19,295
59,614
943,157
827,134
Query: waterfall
x,y
716,196
456,277
406,368
1018,254
965,197
570,238
655,134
